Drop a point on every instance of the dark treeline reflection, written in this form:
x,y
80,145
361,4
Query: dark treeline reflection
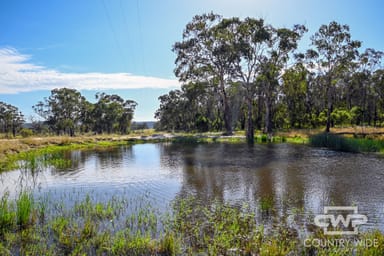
x,y
291,178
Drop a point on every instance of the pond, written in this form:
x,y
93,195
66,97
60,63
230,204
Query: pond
x,y
283,178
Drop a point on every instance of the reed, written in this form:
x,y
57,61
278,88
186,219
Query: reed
x,y
191,228
24,209
340,143
7,215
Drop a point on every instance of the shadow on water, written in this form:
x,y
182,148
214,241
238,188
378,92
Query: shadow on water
x,y
284,179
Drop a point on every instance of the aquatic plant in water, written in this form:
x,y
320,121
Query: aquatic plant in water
x,y
88,228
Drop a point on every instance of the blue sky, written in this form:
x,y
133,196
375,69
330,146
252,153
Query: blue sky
x,y
124,46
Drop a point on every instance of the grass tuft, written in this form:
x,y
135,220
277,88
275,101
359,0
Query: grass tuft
x,y
7,215
340,143
24,209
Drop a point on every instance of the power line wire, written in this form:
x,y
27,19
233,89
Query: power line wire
x,y
114,34
125,18
140,37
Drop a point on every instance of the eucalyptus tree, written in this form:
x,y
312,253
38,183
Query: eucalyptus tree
x,y
332,56
168,112
315,100
11,119
87,120
378,80
253,38
61,110
172,110
201,111
260,53
206,54
193,108
282,43
295,88
368,62
356,92
111,113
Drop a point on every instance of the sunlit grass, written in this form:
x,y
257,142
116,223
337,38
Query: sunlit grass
x,y
7,215
24,206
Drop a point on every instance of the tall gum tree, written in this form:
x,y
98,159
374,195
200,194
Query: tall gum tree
x,y
334,51
378,80
281,44
62,110
112,113
11,119
264,52
368,62
252,42
295,91
206,54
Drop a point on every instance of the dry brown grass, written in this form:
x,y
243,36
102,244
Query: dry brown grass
x,y
377,132
359,129
16,145
11,146
302,133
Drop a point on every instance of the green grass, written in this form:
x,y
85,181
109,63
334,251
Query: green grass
x,y
266,204
340,143
24,209
7,215
297,140
191,228
52,155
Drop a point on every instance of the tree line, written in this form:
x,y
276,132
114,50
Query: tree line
x,y
247,74
66,111
11,118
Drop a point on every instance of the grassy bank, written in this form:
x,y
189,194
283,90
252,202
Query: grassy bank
x,y
12,150
17,145
30,226
15,149
345,144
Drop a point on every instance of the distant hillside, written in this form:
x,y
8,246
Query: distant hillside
x,y
135,125
143,125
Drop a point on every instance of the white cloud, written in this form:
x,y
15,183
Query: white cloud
x,y
19,74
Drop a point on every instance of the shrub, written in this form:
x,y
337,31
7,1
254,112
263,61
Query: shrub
x,y
25,132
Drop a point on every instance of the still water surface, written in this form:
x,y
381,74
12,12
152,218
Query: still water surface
x,y
294,178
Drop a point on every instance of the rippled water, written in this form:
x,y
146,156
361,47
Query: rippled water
x,y
294,178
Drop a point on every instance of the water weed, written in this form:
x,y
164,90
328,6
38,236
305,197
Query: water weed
x,y
266,204
7,215
190,228
24,209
